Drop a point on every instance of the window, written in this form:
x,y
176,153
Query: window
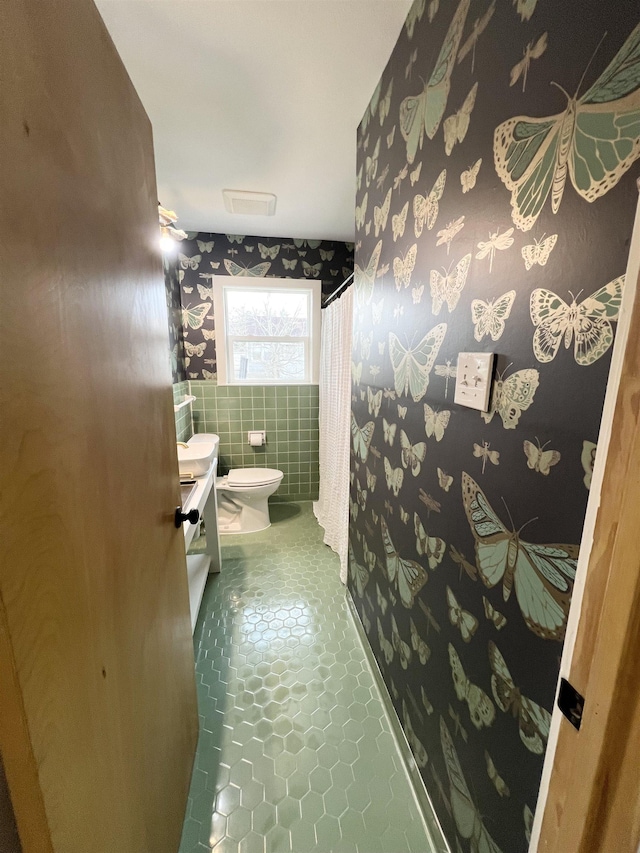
x,y
267,333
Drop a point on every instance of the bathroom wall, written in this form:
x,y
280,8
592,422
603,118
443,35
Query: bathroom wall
x,y
174,313
474,235
288,413
184,418
205,255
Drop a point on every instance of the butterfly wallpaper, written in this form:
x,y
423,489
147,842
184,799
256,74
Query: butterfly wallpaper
x,y
174,313
190,276
496,172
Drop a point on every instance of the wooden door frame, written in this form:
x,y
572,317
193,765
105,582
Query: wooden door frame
x,y
589,799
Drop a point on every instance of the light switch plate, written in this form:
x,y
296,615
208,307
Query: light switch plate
x,y
473,379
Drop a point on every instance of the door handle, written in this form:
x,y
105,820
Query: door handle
x,y
193,516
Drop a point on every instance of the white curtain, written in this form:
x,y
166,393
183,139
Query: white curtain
x,y
332,507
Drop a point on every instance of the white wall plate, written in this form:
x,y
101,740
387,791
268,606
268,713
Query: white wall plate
x,y
473,380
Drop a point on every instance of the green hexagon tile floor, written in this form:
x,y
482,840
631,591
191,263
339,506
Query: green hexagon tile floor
x,y
296,752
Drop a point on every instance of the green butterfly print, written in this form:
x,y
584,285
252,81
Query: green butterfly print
x,y
420,114
595,140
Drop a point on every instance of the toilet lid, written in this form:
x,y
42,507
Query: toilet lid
x,y
252,476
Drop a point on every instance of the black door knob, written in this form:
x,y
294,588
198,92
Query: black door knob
x,y
193,516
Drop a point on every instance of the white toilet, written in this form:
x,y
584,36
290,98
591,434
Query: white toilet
x,y
243,499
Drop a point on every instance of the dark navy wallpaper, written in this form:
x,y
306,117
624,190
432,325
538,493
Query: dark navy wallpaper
x,y
202,256
496,176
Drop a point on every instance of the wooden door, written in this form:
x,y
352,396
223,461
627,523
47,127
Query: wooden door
x,y
590,800
98,717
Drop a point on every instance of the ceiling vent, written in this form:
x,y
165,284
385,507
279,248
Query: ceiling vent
x,y
249,204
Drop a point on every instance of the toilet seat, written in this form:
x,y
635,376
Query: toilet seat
x,y
246,478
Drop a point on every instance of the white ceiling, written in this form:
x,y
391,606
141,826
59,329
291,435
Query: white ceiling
x,y
261,95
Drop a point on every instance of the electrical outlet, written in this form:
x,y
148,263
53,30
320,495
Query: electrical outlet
x,y
473,380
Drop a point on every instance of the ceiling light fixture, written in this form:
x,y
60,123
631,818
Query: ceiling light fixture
x,y
249,203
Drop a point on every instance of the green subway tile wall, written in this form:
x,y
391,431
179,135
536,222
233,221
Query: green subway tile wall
x,y
288,413
184,423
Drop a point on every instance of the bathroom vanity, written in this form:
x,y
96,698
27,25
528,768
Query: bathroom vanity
x,y
201,495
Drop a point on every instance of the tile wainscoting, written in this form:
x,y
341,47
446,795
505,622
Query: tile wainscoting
x,y
288,413
184,421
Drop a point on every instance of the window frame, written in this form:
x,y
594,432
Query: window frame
x,y
313,289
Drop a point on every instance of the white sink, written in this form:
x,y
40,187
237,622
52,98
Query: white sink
x,y
196,457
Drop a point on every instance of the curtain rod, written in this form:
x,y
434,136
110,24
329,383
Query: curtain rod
x,y
338,289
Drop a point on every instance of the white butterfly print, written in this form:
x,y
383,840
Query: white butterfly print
x,y
269,252
371,164
589,323
455,127
402,411
361,211
539,252
588,458
414,176
356,372
361,437
391,137
359,179
541,574
235,238
412,455
381,347
208,374
489,318
435,423
431,547
374,370
426,208
417,747
371,480
381,214
327,254
493,615
376,312
290,264
394,477
401,648
205,246
209,334
374,401
483,452
411,367
214,264
531,51
403,267
385,646
418,644
398,311
498,782
311,270
365,279
385,103
425,701
512,396
458,729
358,573
445,481
193,318
382,601
404,515
408,576
469,176
539,459
416,294
196,350
446,234
389,431
205,292
365,345
496,242
189,263
481,709
259,271
188,289
409,66
527,815
398,222
448,287
361,496
533,720
525,8
461,619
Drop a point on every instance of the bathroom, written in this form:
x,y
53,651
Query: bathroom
x,y
378,601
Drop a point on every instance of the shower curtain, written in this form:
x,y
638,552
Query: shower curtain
x,y
332,507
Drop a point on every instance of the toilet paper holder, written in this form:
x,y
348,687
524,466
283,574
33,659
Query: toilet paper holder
x,y
257,437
